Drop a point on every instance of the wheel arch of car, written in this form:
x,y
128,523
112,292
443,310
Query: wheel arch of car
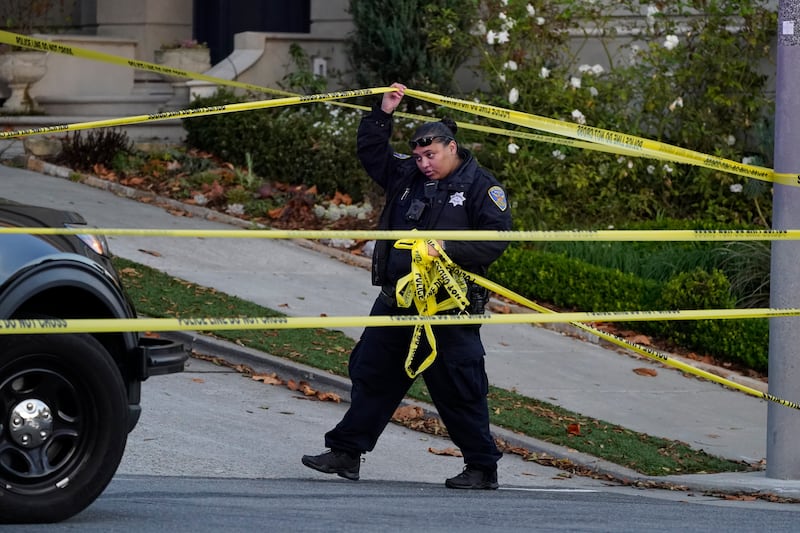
x,y
69,286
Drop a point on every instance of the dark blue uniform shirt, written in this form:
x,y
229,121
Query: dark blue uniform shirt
x,y
469,198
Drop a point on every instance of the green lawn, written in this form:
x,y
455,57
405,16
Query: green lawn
x,y
156,294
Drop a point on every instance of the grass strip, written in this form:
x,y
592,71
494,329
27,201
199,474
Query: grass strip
x,y
160,295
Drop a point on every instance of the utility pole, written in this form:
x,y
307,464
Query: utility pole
x,y
783,423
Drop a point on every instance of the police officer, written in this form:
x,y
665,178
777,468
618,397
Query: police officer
x,y
441,186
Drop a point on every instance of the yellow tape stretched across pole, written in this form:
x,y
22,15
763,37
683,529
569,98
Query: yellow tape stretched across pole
x,y
448,235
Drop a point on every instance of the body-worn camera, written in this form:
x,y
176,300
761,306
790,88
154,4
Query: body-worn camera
x,y
415,211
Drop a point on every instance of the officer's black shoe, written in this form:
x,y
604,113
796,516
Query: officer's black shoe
x,y
335,462
474,477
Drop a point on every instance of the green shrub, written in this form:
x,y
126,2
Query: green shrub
x,y
570,283
309,145
417,42
573,284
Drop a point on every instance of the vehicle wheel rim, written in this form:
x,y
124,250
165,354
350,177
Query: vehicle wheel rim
x,y
46,431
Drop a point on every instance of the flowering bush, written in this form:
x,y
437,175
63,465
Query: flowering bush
x,y
686,73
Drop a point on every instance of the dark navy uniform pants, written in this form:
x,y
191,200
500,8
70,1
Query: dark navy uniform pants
x,y
456,381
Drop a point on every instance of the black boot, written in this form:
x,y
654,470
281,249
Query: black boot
x,y
474,477
335,462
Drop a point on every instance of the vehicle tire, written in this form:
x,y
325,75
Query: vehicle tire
x,y
63,425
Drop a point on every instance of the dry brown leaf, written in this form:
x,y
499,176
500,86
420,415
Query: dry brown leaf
x,y
408,412
446,451
646,372
150,252
307,389
644,340
268,379
329,397
198,380
574,429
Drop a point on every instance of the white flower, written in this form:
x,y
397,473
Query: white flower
x,y
559,155
505,2
584,68
730,139
491,37
531,10
671,42
235,209
678,102
451,29
508,23
667,169
540,21
748,160
479,29
575,82
502,37
578,117
650,169
620,160
736,187
544,72
513,148
630,164
502,77
513,96
510,65
593,91
598,69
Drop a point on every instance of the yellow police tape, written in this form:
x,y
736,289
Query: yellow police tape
x,y
74,51
421,287
611,139
715,235
110,325
198,112
585,137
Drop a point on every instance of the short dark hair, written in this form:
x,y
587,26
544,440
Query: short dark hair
x,y
443,129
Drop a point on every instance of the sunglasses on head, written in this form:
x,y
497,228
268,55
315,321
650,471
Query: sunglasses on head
x,y
426,141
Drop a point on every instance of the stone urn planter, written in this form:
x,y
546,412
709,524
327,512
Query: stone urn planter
x,y
20,70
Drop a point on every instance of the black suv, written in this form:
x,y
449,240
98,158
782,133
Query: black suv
x,y
67,401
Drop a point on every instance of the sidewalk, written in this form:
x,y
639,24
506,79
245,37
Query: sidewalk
x,y
302,279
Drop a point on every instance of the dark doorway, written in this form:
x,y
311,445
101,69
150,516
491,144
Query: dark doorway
x,y
216,21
